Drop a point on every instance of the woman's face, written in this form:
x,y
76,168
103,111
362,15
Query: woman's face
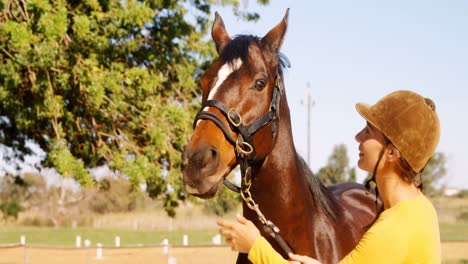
x,y
371,141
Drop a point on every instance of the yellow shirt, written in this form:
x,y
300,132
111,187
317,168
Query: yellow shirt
x,y
405,233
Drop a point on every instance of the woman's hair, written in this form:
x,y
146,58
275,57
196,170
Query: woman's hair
x,y
407,173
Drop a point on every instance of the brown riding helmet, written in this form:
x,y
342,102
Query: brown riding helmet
x,y
409,121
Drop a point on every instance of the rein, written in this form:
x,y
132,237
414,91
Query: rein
x,y
245,149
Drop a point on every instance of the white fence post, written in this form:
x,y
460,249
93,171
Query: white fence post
x,y
23,240
216,240
99,251
78,241
185,240
87,243
165,246
117,241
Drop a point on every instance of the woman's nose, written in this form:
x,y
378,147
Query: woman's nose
x,y
358,137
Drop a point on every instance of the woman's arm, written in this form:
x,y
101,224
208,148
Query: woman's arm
x,y
243,236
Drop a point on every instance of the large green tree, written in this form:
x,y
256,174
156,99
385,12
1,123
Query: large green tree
x,y
99,82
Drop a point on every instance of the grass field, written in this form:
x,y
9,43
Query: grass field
x,y
452,253
454,231
106,236
199,228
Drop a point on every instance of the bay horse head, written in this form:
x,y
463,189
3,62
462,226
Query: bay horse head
x,y
240,108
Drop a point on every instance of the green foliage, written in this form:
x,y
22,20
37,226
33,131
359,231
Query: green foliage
x,y
434,171
11,209
462,194
337,170
15,191
113,196
104,83
463,216
67,165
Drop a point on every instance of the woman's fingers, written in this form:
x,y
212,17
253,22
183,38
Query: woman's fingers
x,y
240,234
242,219
224,232
224,223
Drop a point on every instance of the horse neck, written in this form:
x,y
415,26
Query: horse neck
x,y
281,190
282,176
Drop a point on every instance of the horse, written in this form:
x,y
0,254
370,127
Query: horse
x,y
245,121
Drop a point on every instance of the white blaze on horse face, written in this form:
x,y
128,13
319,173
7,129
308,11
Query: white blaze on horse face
x,y
223,73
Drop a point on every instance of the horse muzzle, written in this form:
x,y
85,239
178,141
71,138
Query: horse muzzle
x,y
200,171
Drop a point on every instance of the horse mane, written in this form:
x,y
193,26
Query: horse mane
x,y
239,48
321,195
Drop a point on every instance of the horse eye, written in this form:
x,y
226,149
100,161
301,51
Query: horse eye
x,y
260,84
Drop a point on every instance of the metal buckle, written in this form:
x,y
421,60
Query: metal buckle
x,y
232,121
243,148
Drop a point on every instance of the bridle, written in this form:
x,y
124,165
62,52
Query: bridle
x,y
244,147
243,144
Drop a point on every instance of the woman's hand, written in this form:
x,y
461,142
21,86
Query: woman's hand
x,y
298,259
240,235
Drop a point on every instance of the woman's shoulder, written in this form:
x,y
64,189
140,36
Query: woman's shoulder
x,y
419,205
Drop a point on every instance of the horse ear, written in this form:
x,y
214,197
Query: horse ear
x,y
219,34
275,37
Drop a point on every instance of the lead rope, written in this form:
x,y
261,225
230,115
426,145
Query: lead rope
x,y
246,183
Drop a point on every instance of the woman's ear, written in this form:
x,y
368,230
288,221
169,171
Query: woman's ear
x,y
393,154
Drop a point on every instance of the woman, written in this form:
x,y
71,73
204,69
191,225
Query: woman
x,y
401,135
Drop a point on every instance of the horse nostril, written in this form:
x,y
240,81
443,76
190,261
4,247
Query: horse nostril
x,y
203,162
207,160
214,153
210,157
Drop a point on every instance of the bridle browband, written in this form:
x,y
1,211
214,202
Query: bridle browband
x,y
245,150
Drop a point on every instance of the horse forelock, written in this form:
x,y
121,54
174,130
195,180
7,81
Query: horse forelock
x,y
238,48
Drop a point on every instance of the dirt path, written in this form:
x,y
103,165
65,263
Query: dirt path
x,y
455,250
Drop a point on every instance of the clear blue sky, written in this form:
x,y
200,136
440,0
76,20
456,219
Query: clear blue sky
x,y
352,51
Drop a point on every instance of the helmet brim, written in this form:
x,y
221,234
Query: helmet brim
x,y
365,111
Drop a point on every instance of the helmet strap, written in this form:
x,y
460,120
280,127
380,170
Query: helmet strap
x,y
372,179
